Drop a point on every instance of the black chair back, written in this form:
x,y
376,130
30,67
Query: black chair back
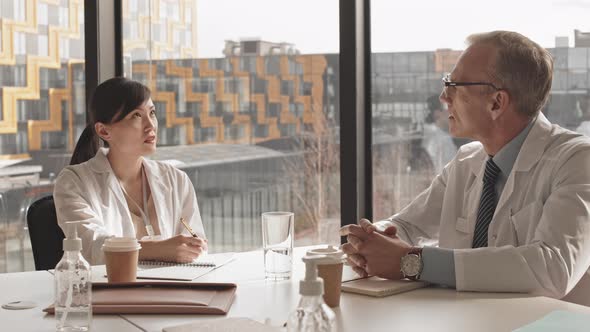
x,y
46,235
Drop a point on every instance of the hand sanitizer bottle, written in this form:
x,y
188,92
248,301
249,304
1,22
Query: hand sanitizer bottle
x,y
73,287
312,314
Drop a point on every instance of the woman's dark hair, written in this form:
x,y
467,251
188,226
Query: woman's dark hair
x,y
111,102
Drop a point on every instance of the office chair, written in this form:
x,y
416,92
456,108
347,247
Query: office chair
x,y
46,235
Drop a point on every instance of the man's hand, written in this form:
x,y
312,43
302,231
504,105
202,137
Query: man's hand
x,y
374,253
383,227
179,249
357,262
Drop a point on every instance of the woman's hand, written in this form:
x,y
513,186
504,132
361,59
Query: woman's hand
x,y
179,249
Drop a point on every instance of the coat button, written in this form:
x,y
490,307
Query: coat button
x,y
494,237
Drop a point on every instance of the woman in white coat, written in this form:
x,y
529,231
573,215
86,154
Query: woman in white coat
x,y
115,191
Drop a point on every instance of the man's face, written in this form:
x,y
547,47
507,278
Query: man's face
x,y
468,105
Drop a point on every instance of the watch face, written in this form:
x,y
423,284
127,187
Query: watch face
x,y
411,265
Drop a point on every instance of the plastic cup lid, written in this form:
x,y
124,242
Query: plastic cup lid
x,y
121,244
330,251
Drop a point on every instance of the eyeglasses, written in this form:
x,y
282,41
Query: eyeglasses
x,y
447,81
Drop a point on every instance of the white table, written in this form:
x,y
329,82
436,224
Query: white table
x,y
37,286
427,309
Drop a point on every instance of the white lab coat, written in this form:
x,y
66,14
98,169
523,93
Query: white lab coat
x,y
539,237
90,193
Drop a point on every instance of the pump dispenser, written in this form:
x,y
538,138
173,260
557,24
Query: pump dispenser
x,y
72,242
73,287
312,314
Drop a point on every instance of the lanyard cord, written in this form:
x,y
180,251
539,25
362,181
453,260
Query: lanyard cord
x,y
145,216
146,211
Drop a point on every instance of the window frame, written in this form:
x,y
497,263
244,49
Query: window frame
x,y
104,59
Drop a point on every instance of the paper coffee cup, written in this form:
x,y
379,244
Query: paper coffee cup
x,y
121,256
331,273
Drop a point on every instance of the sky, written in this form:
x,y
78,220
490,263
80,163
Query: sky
x,y
397,26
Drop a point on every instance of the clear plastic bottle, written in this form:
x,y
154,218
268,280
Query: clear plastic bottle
x,y
73,286
312,314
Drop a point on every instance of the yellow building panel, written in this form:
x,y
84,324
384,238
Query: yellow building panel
x,y
8,123
286,116
151,17
54,123
171,119
202,98
313,71
314,67
7,53
30,22
33,63
14,156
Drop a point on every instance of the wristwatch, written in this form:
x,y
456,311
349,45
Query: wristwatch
x,y
411,264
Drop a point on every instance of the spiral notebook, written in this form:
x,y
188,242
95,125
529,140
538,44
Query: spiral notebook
x,y
378,287
184,272
145,265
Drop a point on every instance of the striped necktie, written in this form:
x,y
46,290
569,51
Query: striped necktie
x,y
487,205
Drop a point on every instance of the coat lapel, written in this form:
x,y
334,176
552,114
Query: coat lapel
x,y
473,190
477,167
155,178
100,164
158,188
534,145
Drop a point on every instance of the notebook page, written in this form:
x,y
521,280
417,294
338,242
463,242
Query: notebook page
x,y
184,272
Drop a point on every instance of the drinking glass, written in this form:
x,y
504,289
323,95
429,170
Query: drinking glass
x,y
277,243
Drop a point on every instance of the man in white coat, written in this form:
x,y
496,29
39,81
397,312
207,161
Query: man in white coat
x,y
511,212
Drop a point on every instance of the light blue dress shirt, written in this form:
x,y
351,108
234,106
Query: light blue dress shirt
x,y
439,263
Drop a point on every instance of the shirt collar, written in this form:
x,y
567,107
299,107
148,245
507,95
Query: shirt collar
x,y
506,157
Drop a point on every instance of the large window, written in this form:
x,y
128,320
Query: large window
x,y
247,100
42,110
247,94
411,143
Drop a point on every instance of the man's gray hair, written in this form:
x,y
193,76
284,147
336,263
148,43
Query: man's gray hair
x,y
522,67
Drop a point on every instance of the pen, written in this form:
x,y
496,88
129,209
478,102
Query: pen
x,y
188,228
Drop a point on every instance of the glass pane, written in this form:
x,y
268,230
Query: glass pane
x,y
42,111
248,109
411,142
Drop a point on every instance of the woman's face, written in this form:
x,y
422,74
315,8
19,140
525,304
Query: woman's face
x,y
135,134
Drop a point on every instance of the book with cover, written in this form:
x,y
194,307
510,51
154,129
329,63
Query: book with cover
x,y
184,272
378,287
160,297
